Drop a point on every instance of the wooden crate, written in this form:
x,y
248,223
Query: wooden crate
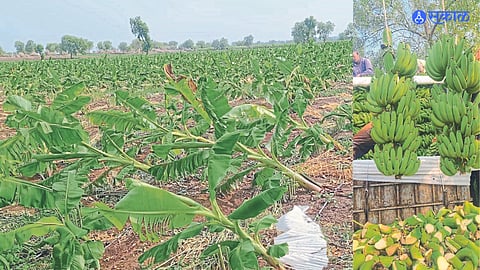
x,y
385,201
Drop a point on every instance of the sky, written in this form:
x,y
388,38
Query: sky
x,y
99,20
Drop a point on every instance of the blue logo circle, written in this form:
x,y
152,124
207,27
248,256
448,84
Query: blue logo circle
x,y
419,17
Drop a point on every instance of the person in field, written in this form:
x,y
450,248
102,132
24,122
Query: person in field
x,y
361,65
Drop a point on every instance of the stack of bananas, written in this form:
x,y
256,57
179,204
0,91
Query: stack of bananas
x,y
396,161
397,141
395,107
386,90
454,114
361,115
406,64
464,75
441,54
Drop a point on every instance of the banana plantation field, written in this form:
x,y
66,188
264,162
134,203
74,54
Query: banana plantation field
x,y
174,161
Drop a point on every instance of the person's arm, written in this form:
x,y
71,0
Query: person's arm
x,y
368,67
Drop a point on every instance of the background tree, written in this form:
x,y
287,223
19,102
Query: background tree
x,y
123,46
305,31
238,43
172,44
300,33
135,46
350,33
52,47
100,46
187,44
369,22
310,26
248,40
140,30
223,43
19,46
30,47
39,48
201,44
75,45
2,52
159,45
107,45
324,30
216,44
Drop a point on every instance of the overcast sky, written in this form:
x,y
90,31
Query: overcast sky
x,y
98,20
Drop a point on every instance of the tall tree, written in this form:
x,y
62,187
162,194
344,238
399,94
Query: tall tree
x,y
172,44
123,46
39,48
19,46
107,45
75,45
324,30
52,47
300,33
216,44
30,47
248,40
135,46
201,44
223,43
310,30
100,46
310,25
188,44
350,33
140,30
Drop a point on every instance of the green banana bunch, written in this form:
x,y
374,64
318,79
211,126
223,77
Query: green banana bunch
x,y
396,161
409,105
457,153
475,163
359,106
406,62
464,75
437,60
470,123
383,129
393,127
456,146
387,89
361,119
447,108
448,166
440,55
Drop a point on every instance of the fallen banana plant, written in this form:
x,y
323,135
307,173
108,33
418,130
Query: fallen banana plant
x,y
449,239
199,133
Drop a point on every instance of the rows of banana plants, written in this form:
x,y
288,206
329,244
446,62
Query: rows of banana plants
x,y
47,162
243,71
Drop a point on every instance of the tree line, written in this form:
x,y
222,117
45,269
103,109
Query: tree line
x,y
307,30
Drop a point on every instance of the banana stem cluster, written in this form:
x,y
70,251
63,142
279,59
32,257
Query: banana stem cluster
x,y
394,105
455,113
